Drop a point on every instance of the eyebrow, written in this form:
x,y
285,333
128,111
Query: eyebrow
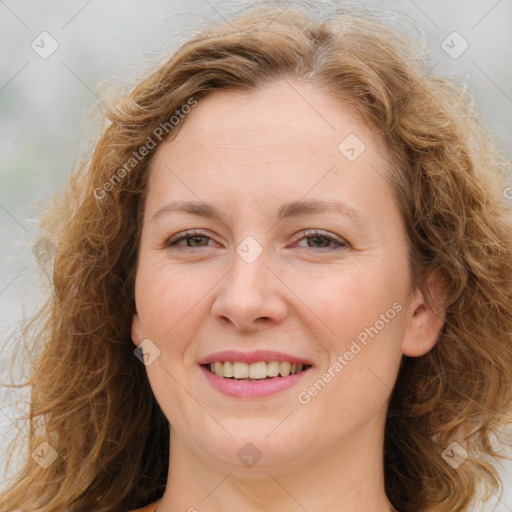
x,y
288,210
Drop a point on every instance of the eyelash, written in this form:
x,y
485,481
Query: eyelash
x,y
308,233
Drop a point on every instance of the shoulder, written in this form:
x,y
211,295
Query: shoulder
x,y
148,508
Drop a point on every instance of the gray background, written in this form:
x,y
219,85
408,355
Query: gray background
x,y
44,103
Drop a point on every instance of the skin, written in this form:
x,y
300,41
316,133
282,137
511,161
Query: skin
x,y
248,154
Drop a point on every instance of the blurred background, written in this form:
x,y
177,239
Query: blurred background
x,y
56,56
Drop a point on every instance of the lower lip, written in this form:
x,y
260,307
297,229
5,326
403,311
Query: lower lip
x,y
255,389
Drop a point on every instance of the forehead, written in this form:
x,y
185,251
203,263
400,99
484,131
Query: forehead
x,y
286,135
281,113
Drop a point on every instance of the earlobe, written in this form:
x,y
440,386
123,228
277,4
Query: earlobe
x,y
426,320
136,330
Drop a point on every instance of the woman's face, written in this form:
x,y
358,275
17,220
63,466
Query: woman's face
x,y
296,253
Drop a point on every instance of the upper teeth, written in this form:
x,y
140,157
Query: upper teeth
x,y
260,370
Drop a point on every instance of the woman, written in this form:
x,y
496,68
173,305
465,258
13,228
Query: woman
x,y
282,283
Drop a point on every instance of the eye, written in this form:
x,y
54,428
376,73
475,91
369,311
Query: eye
x,y
192,238
314,238
321,239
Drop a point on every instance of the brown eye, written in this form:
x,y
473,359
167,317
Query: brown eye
x,y
319,239
196,241
189,239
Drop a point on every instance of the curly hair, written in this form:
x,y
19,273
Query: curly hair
x,y
90,397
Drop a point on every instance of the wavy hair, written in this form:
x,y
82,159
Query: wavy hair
x,y
90,397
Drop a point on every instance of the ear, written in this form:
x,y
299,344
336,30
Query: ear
x,y
425,323
137,337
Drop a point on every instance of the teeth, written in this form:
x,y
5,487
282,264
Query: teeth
x,y
254,371
273,369
228,369
258,371
240,371
219,369
284,369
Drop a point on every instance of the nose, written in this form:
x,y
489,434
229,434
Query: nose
x,y
250,296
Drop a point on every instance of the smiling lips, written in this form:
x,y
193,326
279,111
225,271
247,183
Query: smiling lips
x,y
256,365
253,374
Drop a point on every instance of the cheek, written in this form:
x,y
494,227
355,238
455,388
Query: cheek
x,y
351,299
363,311
164,296
363,308
172,302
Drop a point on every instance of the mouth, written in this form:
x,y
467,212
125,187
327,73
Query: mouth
x,y
258,374
255,372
